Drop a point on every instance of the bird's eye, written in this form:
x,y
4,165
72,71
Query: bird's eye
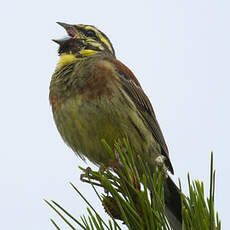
x,y
90,33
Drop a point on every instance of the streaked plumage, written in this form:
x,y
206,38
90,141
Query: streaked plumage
x,y
94,96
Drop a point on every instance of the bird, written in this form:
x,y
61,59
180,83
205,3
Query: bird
x,y
95,96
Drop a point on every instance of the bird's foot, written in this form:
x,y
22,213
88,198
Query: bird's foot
x,y
114,164
118,158
160,163
86,174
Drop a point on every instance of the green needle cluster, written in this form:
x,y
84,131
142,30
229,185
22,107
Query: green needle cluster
x,y
138,200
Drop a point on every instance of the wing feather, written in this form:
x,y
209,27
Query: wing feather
x,y
133,88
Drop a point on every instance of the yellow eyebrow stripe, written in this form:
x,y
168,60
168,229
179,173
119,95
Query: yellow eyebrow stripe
x,y
102,38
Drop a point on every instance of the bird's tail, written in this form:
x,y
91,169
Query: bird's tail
x,y
173,203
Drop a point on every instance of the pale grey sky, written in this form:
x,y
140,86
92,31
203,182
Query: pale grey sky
x,y
179,51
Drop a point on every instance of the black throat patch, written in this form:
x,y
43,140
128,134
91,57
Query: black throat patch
x,y
70,46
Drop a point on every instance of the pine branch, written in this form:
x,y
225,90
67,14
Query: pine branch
x,y
138,200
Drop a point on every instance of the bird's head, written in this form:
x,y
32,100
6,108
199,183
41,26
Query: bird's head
x,y
84,40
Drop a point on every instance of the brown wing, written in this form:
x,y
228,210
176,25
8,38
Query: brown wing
x,y
135,92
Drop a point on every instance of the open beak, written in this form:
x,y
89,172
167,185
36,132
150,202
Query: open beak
x,y
64,25
62,40
70,31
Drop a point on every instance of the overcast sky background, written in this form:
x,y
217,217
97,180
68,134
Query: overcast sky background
x,y
179,50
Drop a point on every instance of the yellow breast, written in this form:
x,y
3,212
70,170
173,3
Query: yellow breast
x,y
65,59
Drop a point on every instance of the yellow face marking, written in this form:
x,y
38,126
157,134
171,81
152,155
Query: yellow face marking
x,y
65,59
86,53
105,41
101,37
